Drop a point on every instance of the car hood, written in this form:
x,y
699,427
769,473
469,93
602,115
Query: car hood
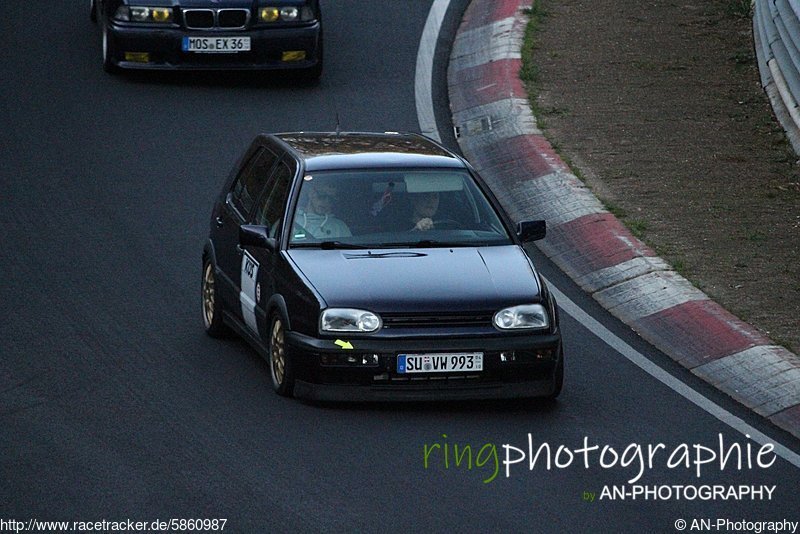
x,y
421,280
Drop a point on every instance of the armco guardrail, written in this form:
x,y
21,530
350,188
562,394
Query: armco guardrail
x,y
776,30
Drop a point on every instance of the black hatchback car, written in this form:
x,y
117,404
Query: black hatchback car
x,y
378,267
210,34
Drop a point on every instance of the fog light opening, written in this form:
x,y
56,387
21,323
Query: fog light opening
x,y
293,55
545,354
137,57
349,360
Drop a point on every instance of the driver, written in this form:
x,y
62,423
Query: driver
x,y
317,218
424,208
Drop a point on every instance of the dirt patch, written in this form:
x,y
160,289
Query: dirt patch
x,y
658,107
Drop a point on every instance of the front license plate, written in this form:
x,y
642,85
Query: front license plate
x,y
216,45
440,363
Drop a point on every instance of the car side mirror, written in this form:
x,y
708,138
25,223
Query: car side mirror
x,y
528,231
253,235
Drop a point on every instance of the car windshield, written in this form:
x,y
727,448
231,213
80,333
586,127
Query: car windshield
x,y
394,209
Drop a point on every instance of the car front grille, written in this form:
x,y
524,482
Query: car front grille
x,y
436,321
205,19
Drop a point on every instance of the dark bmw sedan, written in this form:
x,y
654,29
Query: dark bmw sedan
x,y
211,34
378,267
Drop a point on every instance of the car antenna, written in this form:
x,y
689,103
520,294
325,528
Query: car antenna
x,y
336,110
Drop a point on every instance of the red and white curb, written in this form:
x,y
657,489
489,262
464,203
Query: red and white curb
x,y
498,134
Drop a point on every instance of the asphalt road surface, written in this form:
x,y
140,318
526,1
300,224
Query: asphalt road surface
x,y
115,405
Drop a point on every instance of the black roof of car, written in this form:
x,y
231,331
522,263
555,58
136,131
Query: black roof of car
x,y
331,150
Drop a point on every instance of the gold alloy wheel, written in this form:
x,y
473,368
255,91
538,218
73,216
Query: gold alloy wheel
x,y
277,355
208,295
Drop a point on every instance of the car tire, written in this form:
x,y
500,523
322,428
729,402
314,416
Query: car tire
x,y
108,53
212,305
558,377
280,363
313,74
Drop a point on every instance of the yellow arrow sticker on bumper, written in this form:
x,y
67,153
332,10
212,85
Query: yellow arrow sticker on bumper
x,y
344,344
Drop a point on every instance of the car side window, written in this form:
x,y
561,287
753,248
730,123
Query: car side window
x,y
272,204
252,179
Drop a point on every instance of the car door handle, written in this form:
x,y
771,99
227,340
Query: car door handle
x,y
220,221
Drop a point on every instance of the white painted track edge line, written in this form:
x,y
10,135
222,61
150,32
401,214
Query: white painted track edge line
x,y
423,75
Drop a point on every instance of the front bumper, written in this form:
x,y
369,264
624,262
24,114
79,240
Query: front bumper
x,y
513,367
133,47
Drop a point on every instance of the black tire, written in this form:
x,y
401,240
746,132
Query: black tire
x,y
558,377
280,361
109,51
211,304
313,74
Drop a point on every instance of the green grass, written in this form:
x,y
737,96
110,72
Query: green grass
x,y
783,342
679,266
739,8
557,111
615,210
637,227
644,65
529,72
577,172
743,57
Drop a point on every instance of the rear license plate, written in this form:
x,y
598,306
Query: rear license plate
x,y
216,45
440,363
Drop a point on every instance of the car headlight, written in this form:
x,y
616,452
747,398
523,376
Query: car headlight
x,y
349,320
143,14
285,14
530,316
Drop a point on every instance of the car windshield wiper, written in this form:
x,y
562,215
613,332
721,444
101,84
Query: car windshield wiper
x,y
330,245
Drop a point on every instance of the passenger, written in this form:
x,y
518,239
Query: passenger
x,y
317,218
